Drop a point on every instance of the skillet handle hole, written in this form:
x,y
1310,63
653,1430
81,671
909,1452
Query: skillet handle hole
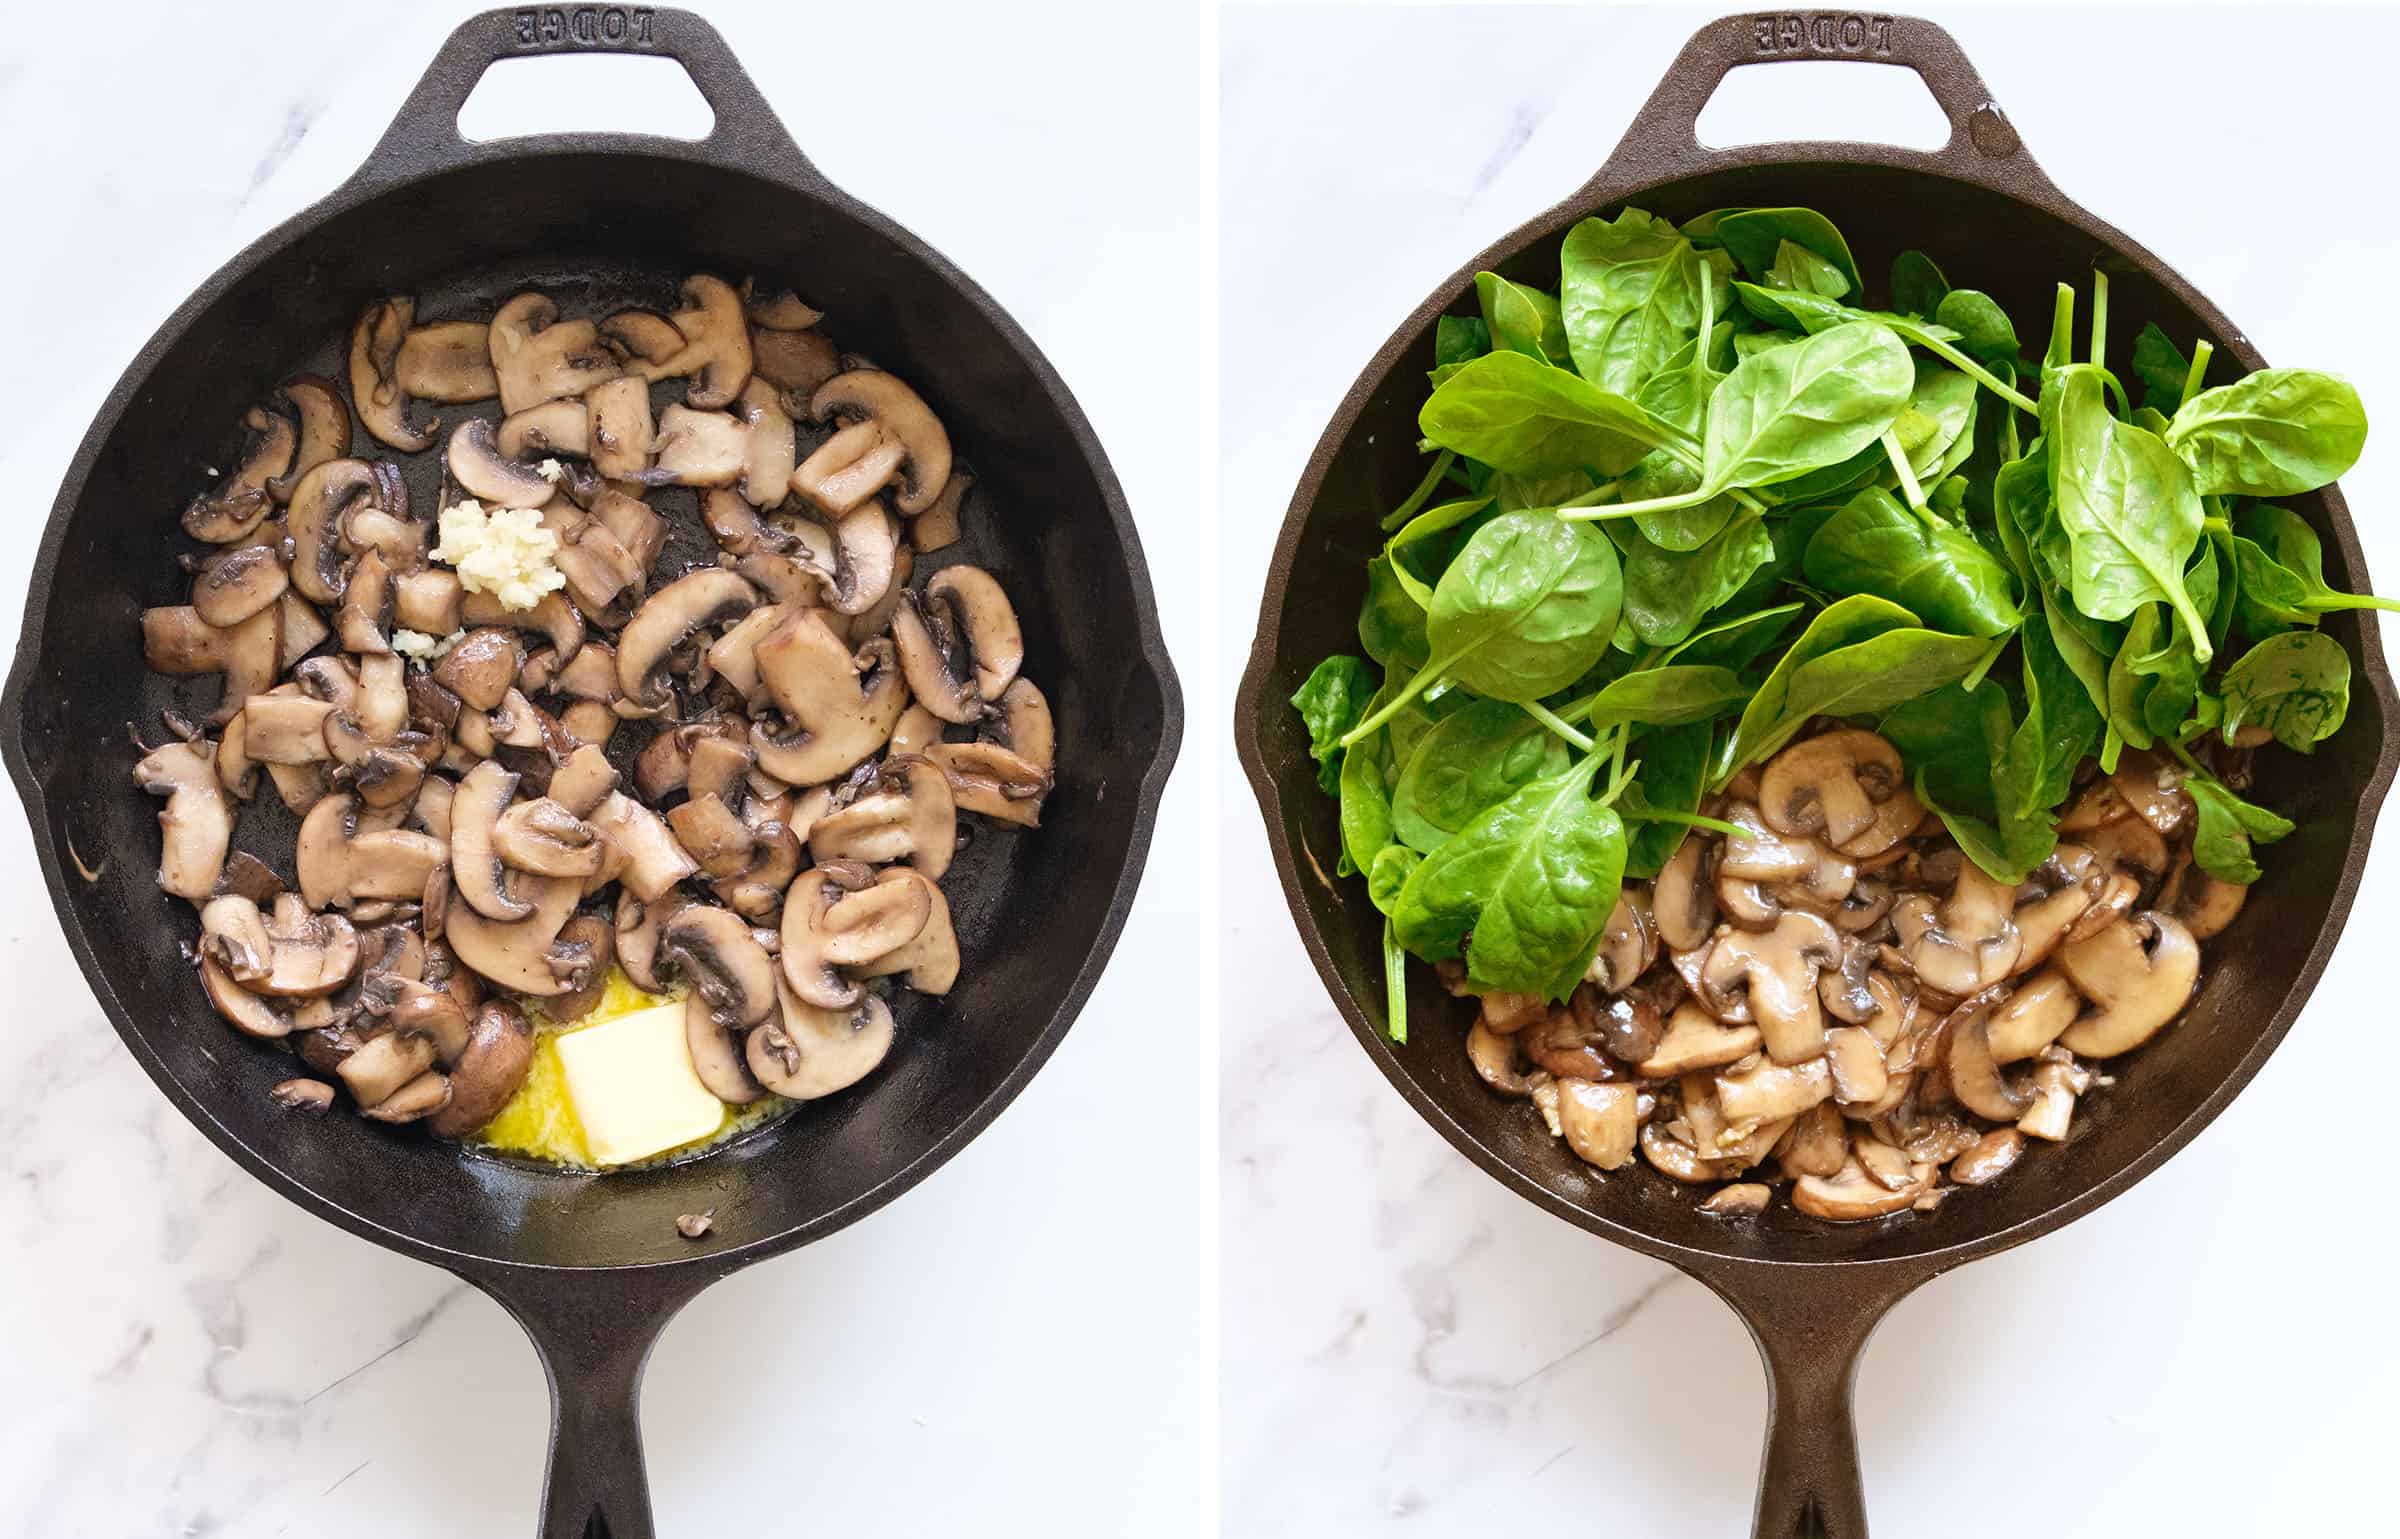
x,y
584,93
1803,99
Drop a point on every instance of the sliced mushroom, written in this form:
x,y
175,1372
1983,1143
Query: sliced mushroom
x,y
773,455
196,825
699,448
546,839
382,1065
1969,942
342,864
1628,945
1833,784
795,362
622,432
175,640
722,1066
1855,1059
1989,1159
637,925
1495,1060
655,862
539,357
525,955
2057,1081
1696,1040
477,464
1599,1122
375,340
1776,971
937,528
2033,1017
2137,974
1975,1076
811,1051
894,434
911,816
782,310
837,709
447,361
710,596
1682,899
1769,1092
713,834
1852,1195
929,959
487,1076
714,949
2203,903
231,587
959,642
476,867
324,429
318,500
549,430
992,780
715,348
2152,785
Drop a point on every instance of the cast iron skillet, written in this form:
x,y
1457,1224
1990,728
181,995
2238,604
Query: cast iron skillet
x,y
592,1267
1810,1293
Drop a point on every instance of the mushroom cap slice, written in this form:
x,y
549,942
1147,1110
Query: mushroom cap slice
x,y
2205,904
447,361
1683,899
699,448
244,1011
1852,1195
714,948
476,867
375,340
546,431
637,923
1969,942
930,958
231,587
2138,973
546,839
795,362
233,934
643,335
1770,1091
1832,784
2042,1007
655,861
716,342
1600,1122
319,497
324,429
342,863
691,603
992,780
911,816
196,825
722,1065
838,709
382,1065
554,617
812,975
523,956
866,560
782,310
874,922
1628,945
539,357
773,445
1975,1076
477,464
1777,970
1696,1040
809,1051
902,415
498,1056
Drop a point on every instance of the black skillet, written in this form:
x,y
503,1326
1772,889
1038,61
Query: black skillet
x,y
593,1267
1810,1293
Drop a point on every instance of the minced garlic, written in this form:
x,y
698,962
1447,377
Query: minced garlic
x,y
425,650
504,552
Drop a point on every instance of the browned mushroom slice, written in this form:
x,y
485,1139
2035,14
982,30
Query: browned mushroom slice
x,y
1770,1092
324,429
795,362
477,464
554,617
708,597
2152,785
1674,1158
1598,1121
1628,945
1817,1143
175,640
720,1062
246,1012
1856,1062
622,431
341,864
837,709
782,310
867,563
384,1064
481,666
643,339
233,934
487,1075
772,445
1991,1157
756,891
1833,785
308,1096
810,1051
655,862
714,835
539,357
525,955
285,729
1969,941
994,781
637,924
2137,973
375,340
937,528
1741,1199
2057,1081
196,825
715,949
1683,899
546,839
2034,1016
1852,1195
318,500
546,431
1495,1059
928,960
716,343
2203,903
1975,1075
814,978
365,612
234,510
959,642
910,816
1696,1040
901,438
699,448
1776,971
447,361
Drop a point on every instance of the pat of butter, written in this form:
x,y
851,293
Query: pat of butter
x,y
633,1086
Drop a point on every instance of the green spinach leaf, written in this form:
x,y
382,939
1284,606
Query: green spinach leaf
x,y
1330,701
1874,545
2125,501
1528,419
2274,433
1520,319
1860,656
1471,759
2161,367
1917,285
1669,592
1391,625
1631,294
1673,776
1784,413
2296,685
1754,235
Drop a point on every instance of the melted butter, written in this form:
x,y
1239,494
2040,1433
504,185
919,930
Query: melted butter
x,y
539,1121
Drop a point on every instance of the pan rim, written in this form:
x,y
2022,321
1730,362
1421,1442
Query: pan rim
x,y
372,182
1603,193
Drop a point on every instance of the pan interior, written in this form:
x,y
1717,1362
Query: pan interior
x,y
600,230
1982,239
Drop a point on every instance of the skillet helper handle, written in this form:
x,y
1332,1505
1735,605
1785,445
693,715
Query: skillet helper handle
x,y
424,134
593,1335
1664,141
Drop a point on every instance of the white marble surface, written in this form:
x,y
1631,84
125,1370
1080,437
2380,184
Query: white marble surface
x,y
1411,1348
1019,1347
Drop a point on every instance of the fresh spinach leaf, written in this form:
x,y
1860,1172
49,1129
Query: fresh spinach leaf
x,y
1782,414
1754,235
1460,338
2161,367
1391,625
1426,544
1330,701
2281,570
1673,776
2296,685
2227,827
1984,329
1675,695
1874,545
2274,433
1526,607
1803,271
1860,656
1471,759
1388,873
1738,642
1631,294
1521,319
1917,285
1669,592
1366,807
1528,419
2061,727
2125,501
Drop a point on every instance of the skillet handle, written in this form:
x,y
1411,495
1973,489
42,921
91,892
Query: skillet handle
x,y
1664,143
424,135
593,1334
1811,1325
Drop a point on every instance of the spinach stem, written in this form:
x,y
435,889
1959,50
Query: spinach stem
x,y
2062,329
2100,317
1690,499
1909,489
1691,820
1978,373
1551,719
1395,984
2201,352
1595,496
1424,492
1975,675
1416,686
